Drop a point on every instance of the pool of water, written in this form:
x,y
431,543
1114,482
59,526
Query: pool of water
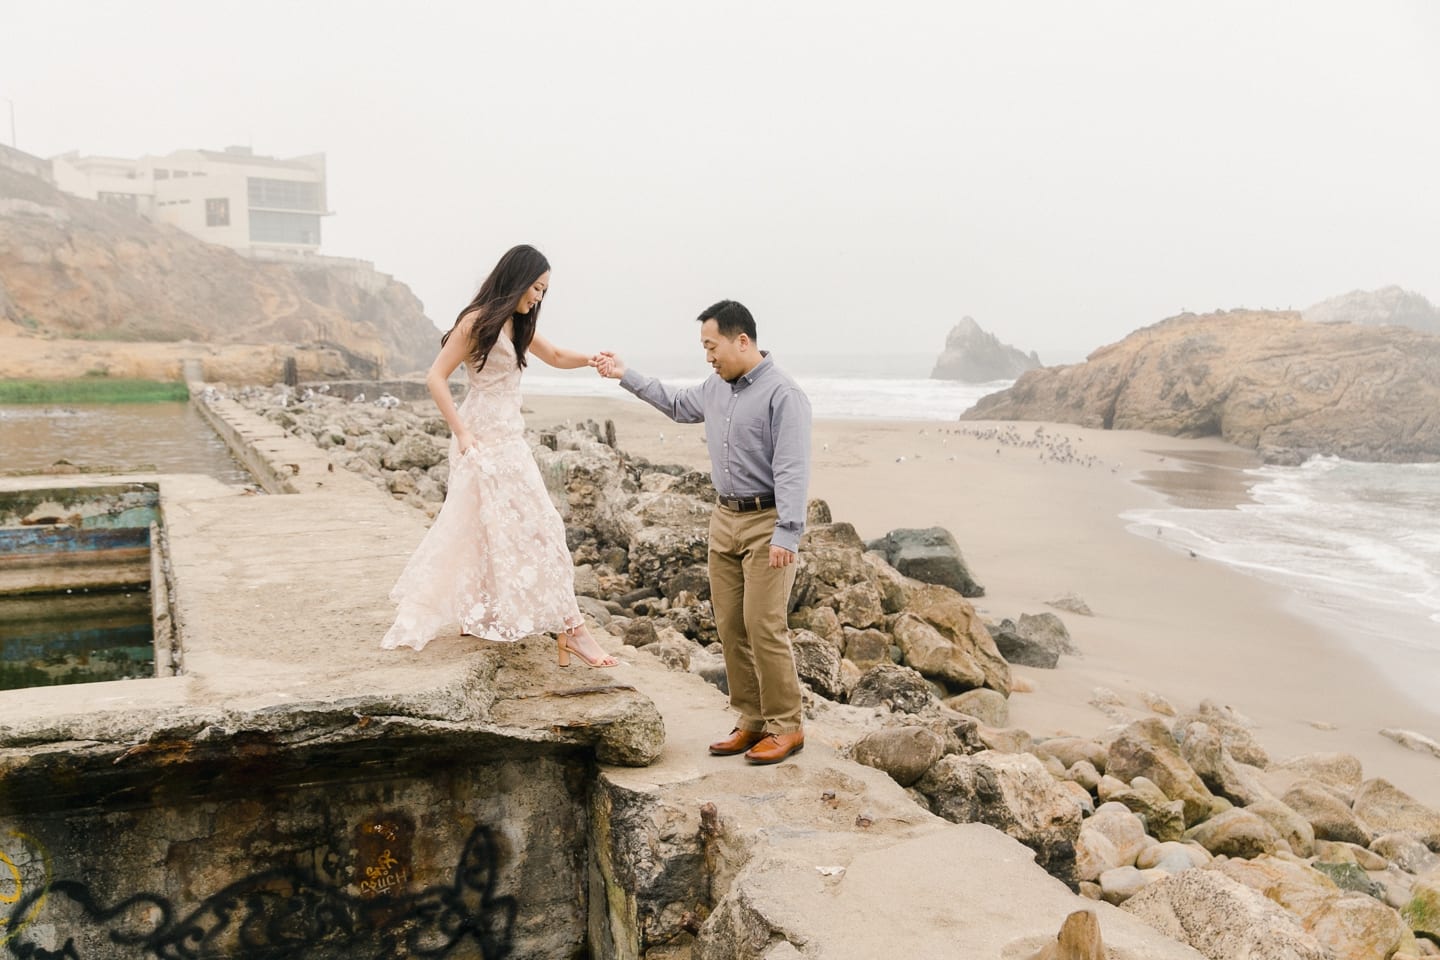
x,y
168,437
75,637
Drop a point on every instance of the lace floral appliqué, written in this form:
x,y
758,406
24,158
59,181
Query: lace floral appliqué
x,y
494,561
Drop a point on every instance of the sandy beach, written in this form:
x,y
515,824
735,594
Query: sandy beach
x,y
1032,529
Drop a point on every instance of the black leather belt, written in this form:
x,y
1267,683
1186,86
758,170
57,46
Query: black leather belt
x,y
747,504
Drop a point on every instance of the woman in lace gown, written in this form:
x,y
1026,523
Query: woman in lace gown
x,y
495,559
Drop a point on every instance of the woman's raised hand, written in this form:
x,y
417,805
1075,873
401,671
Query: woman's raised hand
x,y
609,365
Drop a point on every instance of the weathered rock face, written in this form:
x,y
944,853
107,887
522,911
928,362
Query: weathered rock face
x,y
930,556
1330,817
1393,305
1385,808
1223,919
1265,380
903,752
1146,749
974,356
82,270
1014,794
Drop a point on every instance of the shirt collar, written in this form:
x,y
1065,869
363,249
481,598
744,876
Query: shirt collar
x,y
759,370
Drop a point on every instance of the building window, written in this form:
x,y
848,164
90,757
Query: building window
x,y
181,173
268,226
217,212
126,200
162,174
284,194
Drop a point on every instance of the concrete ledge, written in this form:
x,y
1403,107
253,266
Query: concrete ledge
x,y
282,464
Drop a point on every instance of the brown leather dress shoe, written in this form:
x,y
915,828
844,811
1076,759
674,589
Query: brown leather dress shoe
x,y
776,747
738,742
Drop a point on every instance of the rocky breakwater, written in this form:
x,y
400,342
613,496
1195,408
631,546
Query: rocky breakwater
x,y
91,287
1184,819
1264,380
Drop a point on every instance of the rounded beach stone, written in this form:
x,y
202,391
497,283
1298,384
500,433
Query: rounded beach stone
x,y
1123,828
1385,808
1122,883
1085,774
1235,833
1331,817
988,706
1173,856
905,753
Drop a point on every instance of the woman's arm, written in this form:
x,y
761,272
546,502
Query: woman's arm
x,y
557,357
455,352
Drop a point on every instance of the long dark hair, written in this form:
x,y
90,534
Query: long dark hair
x,y
496,301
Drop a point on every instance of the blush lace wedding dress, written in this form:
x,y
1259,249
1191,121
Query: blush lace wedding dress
x,y
494,561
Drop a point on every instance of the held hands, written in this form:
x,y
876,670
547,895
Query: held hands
x,y
608,365
780,557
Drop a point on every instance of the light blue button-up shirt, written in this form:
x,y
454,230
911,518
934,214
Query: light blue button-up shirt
x,y
758,433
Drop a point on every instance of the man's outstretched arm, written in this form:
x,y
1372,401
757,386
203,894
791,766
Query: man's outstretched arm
x,y
681,404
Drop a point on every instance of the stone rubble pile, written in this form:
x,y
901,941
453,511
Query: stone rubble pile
x,y
1182,818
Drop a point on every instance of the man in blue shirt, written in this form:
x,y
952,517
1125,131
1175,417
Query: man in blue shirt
x,y
758,432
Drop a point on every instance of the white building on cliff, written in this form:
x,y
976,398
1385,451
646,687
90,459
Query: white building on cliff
x,y
262,206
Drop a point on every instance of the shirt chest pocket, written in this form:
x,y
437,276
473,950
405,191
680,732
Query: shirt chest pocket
x,y
752,434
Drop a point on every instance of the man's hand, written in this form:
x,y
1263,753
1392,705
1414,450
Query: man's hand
x,y
608,365
780,557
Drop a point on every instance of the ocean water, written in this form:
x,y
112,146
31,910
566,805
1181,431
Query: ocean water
x,y
1356,544
840,387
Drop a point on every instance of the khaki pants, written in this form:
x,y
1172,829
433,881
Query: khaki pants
x,y
750,600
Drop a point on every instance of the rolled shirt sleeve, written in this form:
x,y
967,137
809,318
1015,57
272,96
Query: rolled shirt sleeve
x,y
790,419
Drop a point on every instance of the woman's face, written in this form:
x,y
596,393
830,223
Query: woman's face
x,y
534,293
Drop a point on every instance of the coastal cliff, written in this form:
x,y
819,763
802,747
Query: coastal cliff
x,y
974,356
83,271
1260,379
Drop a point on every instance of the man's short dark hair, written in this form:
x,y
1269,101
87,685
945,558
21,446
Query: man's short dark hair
x,y
731,317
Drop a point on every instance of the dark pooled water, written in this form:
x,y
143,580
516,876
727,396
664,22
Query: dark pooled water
x,y
75,637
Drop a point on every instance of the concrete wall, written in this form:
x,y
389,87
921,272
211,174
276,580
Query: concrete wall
x,y
246,845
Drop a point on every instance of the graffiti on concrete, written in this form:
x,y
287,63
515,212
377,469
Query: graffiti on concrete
x,y
279,914
24,875
382,848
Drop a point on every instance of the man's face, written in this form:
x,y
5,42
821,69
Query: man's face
x,y
727,357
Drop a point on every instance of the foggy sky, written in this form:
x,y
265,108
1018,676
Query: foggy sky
x,y
860,174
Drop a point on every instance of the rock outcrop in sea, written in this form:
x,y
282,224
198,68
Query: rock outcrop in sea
x,y
1259,379
973,356
1388,305
81,271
